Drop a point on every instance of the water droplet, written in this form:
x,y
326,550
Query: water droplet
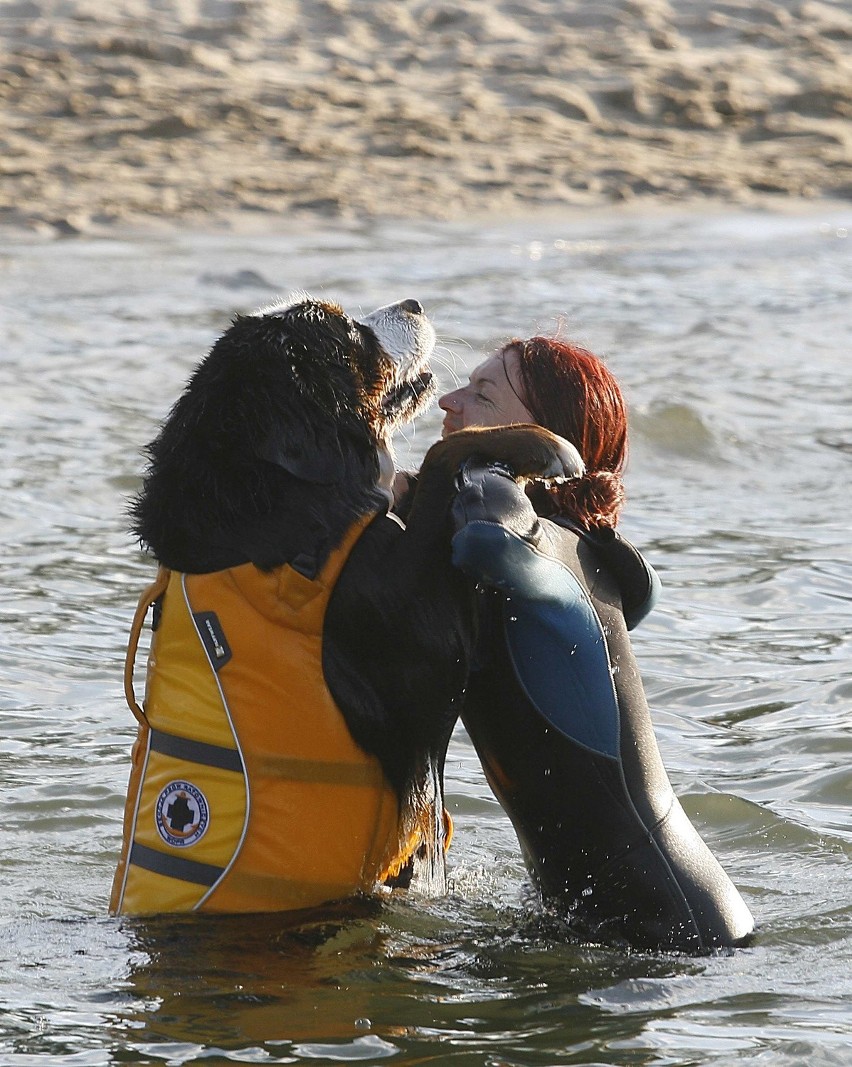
x,y
363,1024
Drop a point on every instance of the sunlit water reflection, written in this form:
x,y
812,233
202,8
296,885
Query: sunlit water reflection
x,y
731,336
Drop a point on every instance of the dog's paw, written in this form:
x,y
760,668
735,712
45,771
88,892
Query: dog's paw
x,y
528,451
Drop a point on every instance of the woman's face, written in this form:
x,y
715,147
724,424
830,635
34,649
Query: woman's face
x,y
491,397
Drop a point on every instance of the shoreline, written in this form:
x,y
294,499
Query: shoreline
x,y
251,224
329,110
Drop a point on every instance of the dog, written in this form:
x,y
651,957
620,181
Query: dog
x,y
310,652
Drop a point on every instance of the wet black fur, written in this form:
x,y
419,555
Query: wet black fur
x,y
276,394
223,485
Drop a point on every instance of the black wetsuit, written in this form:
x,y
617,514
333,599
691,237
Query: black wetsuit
x,y
557,711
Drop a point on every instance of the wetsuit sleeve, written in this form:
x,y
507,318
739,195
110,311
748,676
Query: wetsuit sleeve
x,y
499,541
497,532
638,582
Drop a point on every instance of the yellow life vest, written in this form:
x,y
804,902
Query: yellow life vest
x,y
247,792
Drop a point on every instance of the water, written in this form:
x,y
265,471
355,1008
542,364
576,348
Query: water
x,y
731,336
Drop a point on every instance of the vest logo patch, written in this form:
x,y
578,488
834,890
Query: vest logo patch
x,y
213,637
182,814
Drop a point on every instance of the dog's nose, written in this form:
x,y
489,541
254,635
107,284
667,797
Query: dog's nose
x,y
414,306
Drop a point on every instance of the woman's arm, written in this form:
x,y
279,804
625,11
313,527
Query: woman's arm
x,y
500,541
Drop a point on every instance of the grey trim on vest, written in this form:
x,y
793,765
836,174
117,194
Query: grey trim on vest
x,y
173,866
226,759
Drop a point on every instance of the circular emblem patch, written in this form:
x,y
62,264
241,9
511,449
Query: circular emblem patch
x,y
182,814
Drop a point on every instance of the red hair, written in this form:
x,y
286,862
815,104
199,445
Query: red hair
x,y
571,392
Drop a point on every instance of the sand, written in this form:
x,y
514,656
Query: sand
x,y
130,111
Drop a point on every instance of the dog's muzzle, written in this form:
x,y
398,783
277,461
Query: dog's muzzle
x,y
406,395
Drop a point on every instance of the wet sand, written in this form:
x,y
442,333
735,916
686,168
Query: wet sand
x,y
206,111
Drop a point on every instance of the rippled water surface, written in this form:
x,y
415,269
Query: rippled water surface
x,y
732,336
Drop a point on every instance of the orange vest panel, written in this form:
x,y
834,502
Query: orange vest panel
x,y
247,792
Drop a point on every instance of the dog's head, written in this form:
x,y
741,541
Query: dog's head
x,y
275,445
355,379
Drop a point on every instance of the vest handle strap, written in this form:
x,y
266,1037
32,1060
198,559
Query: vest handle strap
x,y
156,589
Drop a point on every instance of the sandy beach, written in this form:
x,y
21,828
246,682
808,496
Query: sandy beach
x,y
207,110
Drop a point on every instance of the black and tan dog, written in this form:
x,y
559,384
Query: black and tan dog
x,y
309,652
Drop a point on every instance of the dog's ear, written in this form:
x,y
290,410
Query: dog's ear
x,y
311,453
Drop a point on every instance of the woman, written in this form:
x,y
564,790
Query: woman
x,y
555,706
